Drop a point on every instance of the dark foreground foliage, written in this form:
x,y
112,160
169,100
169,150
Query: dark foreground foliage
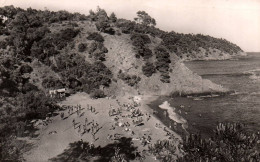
x,y
231,143
15,116
164,150
121,150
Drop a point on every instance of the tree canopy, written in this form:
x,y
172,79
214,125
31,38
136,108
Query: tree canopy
x,y
145,19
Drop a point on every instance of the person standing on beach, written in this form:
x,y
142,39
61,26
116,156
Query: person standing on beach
x,y
86,120
73,121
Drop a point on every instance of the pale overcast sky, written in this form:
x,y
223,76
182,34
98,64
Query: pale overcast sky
x,y
235,20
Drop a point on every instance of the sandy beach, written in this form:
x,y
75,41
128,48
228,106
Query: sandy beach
x,y
56,137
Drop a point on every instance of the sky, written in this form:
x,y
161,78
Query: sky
x,y
237,21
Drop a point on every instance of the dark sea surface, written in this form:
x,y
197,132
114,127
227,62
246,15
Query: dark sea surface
x,y
241,75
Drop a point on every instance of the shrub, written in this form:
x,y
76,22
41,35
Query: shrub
x,y
126,26
140,39
163,58
231,142
97,50
162,63
102,25
110,31
97,93
164,150
145,52
64,37
68,34
52,82
29,87
148,69
3,44
113,17
131,80
82,47
92,47
73,83
35,104
96,37
26,69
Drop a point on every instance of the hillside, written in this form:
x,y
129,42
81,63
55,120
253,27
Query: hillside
x,y
96,54
137,57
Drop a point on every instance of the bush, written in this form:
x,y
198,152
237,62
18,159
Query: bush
x,y
27,87
51,83
126,26
97,50
68,34
3,44
162,63
113,17
148,69
231,142
97,93
36,105
64,37
110,31
26,69
140,39
82,47
102,25
96,37
164,150
145,52
131,80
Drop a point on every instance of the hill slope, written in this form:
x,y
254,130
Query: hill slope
x,y
121,56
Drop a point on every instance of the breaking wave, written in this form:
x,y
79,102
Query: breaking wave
x,y
253,74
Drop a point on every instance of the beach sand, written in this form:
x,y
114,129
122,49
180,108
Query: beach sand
x,y
48,146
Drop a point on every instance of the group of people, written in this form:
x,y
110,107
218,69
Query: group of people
x,y
71,110
92,109
113,112
82,128
88,126
146,140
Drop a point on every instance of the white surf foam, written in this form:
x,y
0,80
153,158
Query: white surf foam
x,y
172,114
254,74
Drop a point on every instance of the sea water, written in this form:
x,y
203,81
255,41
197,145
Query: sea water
x,y
241,75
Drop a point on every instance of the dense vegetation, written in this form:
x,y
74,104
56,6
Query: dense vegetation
x,y
97,50
176,42
28,36
140,41
187,43
162,63
230,143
